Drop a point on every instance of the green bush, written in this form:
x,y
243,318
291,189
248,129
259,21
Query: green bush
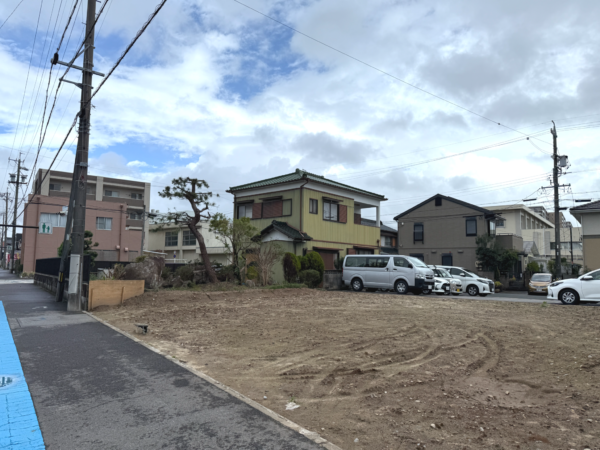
x,y
186,273
166,273
141,258
291,267
313,261
310,277
251,273
498,285
533,267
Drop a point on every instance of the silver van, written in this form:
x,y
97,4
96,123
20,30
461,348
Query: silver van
x,y
401,273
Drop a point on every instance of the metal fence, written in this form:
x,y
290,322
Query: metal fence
x,y
51,266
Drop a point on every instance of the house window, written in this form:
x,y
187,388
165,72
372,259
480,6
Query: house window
x,y
438,201
171,238
471,226
89,190
188,238
135,216
108,193
500,223
313,206
57,220
287,208
492,227
418,232
55,187
387,241
330,211
447,259
103,223
244,210
137,196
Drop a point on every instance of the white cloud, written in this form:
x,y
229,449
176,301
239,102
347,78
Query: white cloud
x,y
178,104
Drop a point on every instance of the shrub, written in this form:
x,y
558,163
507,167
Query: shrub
x,y
313,261
251,273
498,285
291,267
141,258
186,273
310,277
166,273
533,267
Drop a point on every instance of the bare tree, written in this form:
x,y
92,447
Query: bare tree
x,y
266,256
190,189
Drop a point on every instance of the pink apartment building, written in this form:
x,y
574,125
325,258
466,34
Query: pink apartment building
x,y
115,215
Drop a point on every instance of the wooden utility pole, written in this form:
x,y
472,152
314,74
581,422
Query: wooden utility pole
x,y
81,167
557,224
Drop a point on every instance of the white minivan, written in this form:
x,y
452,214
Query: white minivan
x,y
401,273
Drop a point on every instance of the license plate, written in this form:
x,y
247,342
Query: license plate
x,y
458,290
538,289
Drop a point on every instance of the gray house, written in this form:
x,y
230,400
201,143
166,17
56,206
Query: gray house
x,y
442,230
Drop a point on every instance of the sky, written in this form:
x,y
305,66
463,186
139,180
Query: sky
x,y
404,98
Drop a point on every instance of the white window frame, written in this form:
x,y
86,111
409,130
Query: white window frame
x,y
112,193
57,220
169,234
54,185
102,222
189,235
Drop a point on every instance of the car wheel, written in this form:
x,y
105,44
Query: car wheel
x,y
569,297
483,295
473,290
401,287
426,291
357,285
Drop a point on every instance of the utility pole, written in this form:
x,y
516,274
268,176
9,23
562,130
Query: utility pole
x,y
4,230
557,224
20,179
74,302
571,240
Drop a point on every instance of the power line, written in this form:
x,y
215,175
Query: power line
x,y
10,15
380,70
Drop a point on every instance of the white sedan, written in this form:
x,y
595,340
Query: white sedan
x,y
586,288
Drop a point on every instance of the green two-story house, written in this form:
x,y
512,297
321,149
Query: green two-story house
x,y
305,212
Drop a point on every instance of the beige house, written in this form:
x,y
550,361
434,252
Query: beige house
x,y
588,216
529,224
443,230
179,244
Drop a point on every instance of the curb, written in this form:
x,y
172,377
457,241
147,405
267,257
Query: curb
x,y
315,437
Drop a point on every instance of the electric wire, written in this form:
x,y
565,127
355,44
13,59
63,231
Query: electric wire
x,y
381,70
10,15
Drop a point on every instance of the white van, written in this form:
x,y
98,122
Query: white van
x,y
400,273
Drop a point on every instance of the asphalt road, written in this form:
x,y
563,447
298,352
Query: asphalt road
x,y
94,388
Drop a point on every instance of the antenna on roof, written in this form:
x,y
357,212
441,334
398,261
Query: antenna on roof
x,y
583,200
530,199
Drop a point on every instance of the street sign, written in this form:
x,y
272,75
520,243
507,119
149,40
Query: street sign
x,y
45,228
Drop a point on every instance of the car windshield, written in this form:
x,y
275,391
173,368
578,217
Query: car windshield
x,y
542,277
442,273
416,261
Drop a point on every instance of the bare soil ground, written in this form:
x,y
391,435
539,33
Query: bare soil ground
x,y
392,371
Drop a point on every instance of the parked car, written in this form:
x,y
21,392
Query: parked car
x,y
539,284
445,283
473,284
401,273
586,288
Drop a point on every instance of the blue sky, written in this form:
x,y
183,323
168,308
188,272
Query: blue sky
x,y
216,91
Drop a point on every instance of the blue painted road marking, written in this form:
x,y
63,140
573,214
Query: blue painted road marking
x,y
19,427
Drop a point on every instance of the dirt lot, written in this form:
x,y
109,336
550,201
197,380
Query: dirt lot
x,y
386,369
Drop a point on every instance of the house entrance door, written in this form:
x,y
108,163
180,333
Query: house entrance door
x,y
328,258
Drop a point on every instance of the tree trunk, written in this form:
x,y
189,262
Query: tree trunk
x,y
210,272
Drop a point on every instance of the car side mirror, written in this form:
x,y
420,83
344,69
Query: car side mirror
x,y
462,274
410,266
588,278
